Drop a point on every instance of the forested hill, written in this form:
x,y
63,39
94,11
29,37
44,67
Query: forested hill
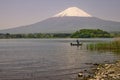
x,y
91,33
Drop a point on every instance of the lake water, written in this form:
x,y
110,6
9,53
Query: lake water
x,y
47,59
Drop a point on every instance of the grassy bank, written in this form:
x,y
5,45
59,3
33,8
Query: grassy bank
x,y
106,46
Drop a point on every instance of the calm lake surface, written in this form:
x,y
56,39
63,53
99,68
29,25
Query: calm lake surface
x,y
47,59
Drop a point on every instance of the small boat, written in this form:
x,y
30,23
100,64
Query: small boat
x,y
75,44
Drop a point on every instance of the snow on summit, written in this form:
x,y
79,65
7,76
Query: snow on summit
x,y
73,11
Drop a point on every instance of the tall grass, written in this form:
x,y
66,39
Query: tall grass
x,y
106,46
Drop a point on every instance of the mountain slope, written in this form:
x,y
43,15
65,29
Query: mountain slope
x,y
66,24
69,20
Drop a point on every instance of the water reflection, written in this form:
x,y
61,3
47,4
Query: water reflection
x,y
35,59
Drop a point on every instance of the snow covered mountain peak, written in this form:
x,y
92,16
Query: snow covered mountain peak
x,y
73,11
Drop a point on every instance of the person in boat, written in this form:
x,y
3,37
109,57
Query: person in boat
x,y
77,42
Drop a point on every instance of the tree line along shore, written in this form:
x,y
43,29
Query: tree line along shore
x,y
83,33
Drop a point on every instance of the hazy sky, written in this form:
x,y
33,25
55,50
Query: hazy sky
x,y
23,12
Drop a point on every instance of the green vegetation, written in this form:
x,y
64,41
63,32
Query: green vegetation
x,y
91,33
35,35
106,46
83,33
115,34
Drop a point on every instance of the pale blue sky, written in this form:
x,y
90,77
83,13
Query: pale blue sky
x,y
23,12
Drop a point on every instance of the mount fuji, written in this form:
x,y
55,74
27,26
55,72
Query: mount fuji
x,y
67,21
